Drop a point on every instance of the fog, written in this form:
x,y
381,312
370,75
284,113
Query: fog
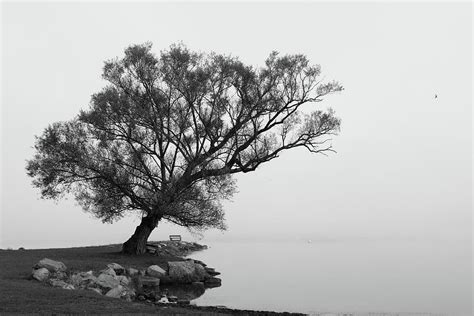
x,y
402,170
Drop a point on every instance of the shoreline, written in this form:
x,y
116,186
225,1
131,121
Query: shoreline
x,y
16,284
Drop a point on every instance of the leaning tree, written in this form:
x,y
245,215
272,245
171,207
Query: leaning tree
x,y
166,134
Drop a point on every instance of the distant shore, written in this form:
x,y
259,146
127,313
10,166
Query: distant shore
x,y
19,294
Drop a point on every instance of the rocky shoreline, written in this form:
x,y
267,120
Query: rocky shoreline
x,y
176,282
168,283
173,248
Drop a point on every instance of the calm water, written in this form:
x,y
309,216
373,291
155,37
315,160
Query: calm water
x,y
342,277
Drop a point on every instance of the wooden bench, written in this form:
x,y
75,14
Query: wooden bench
x,y
175,237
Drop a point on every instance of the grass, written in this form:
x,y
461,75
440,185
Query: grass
x,y
19,294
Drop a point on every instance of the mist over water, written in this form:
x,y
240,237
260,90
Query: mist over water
x,y
341,276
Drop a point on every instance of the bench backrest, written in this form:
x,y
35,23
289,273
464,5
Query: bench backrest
x,y
175,237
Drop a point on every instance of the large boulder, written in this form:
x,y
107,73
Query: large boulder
x,y
40,274
185,271
107,281
51,265
155,271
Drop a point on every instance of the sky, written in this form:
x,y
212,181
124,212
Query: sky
x,y
403,167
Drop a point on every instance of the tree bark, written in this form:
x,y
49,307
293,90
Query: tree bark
x,y
137,243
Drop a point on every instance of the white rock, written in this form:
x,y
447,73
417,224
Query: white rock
x,y
116,292
40,274
51,265
163,299
155,271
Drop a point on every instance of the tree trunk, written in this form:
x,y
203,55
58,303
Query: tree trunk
x,y
137,243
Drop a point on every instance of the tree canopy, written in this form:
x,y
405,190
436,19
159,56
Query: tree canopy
x,y
166,134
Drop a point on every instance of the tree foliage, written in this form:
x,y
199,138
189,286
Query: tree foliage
x,y
167,133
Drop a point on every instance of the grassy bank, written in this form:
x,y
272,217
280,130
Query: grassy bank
x,y
19,294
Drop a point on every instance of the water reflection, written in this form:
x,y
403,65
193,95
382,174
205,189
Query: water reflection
x,y
177,292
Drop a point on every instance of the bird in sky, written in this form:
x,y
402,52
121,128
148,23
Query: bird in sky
x,y
436,96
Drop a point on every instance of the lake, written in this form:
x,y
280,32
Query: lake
x,y
358,277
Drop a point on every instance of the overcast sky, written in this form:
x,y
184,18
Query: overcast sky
x,y
403,163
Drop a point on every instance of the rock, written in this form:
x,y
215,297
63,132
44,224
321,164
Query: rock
x,y
59,275
107,281
155,271
51,265
200,271
148,281
164,300
119,270
150,249
201,263
132,271
198,284
83,279
211,271
212,282
173,250
57,283
184,271
116,292
141,297
109,271
172,298
122,279
61,284
40,274
86,274
69,287
96,290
